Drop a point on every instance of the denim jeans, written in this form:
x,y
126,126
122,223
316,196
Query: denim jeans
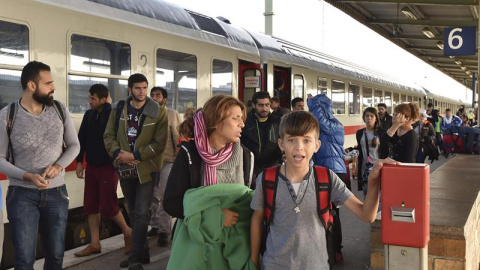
x,y
45,211
139,198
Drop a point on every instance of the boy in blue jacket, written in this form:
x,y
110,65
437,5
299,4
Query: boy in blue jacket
x,y
296,237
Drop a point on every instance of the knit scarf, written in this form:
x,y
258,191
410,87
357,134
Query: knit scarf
x,y
448,120
210,159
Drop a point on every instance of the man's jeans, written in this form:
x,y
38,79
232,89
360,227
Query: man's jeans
x,y
139,198
31,210
160,219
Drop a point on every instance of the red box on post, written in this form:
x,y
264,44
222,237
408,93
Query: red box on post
x,y
406,205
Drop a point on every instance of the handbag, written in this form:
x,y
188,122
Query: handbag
x,y
127,172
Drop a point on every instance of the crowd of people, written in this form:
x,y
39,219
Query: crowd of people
x,y
243,186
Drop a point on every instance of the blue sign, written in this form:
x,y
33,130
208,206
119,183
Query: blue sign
x,y
459,41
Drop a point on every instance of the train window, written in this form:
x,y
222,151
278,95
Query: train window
x,y
378,96
367,97
222,77
396,99
14,44
410,99
298,86
14,53
338,97
177,72
95,60
353,99
403,98
322,86
388,101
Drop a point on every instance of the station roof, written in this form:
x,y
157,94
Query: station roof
x,y
404,22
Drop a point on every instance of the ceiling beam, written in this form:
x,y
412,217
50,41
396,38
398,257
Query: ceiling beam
x,y
416,2
428,48
419,37
446,23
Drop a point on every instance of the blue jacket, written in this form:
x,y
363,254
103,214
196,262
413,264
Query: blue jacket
x,y
456,121
330,154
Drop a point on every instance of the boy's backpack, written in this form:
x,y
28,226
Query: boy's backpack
x,y
323,186
11,114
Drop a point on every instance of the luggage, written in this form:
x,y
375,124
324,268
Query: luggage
x,y
462,140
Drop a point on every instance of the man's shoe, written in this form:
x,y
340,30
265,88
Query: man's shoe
x,y
125,263
152,232
339,257
162,240
89,250
136,267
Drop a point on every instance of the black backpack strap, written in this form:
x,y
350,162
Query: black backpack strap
x,y
12,112
59,110
118,112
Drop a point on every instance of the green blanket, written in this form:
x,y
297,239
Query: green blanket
x,y
200,240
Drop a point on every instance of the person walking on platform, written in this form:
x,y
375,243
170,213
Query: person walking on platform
x,y
260,133
136,136
34,159
276,109
330,154
450,120
208,190
400,142
298,104
101,178
426,136
385,118
160,221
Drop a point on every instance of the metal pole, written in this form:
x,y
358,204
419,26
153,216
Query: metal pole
x,y
478,69
268,17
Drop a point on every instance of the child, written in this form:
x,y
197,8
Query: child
x,y
296,237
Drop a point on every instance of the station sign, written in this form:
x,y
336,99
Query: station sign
x,y
252,82
459,41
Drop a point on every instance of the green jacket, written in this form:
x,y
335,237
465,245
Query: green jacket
x,y
150,144
200,240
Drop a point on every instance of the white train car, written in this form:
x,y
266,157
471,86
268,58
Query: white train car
x,y
194,56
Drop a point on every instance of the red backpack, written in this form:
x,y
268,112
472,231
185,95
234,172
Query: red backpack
x,y
323,187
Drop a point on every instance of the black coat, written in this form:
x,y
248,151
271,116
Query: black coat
x,y
186,174
386,122
358,135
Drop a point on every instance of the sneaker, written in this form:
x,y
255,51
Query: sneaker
x,y
152,232
126,263
162,240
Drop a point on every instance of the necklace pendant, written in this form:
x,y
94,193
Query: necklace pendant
x,y
296,209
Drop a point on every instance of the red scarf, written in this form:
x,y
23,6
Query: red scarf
x,y
206,152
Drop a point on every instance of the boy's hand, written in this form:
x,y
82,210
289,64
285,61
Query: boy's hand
x,y
377,167
230,217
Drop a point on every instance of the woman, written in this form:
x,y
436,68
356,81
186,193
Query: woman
x,y
368,141
400,142
208,192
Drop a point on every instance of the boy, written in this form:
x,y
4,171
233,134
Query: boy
x,y
296,237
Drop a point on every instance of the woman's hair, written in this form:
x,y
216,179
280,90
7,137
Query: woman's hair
x,y
215,111
298,123
376,126
410,110
185,129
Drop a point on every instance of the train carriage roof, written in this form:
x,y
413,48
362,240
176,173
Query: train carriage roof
x,y
272,48
165,17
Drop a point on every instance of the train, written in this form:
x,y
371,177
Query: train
x,y
192,55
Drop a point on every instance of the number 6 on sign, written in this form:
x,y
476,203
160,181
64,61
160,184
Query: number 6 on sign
x,y
459,41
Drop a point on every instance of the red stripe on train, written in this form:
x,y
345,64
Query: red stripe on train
x,y
349,130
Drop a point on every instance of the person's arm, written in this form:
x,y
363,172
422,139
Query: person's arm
x,y
82,138
110,136
72,146
367,211
177,184
256,226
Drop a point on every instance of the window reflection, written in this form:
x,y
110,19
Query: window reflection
x,y
222,77
338,97
298,86
10,87
378,96
354,99
177,72
367,97
14,44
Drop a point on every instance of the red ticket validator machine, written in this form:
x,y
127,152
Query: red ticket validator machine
x,y
406,215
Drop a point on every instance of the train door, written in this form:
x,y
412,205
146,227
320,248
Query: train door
x,y
283,85
250,80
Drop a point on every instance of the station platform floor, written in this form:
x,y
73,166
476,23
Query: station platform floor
x,y
356,245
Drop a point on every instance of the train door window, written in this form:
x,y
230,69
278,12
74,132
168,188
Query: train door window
x,y
353,99
378,96
95,60
222,77
419,101
338,97
14,54
177,72
298,86
410,99
396,99
321,86
403,98
367,97
388,101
